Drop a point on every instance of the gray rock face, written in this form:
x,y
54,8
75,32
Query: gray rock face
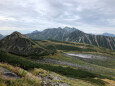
x,y
10,75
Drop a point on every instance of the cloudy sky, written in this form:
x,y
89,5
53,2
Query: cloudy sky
x,y
91,16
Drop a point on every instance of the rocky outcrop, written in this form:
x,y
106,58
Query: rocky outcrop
x,y
48,78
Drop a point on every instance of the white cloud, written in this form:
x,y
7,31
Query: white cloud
x,y
3,18
87,15
111,22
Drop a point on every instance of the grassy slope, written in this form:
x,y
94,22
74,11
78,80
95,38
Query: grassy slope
x,y
94,68
71,47
76,47
104,67
65,71
30,78
73,82
26,78
95,77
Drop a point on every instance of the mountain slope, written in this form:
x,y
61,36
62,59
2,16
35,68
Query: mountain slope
x,y
1,36
52,33
75,35
98,40
19,44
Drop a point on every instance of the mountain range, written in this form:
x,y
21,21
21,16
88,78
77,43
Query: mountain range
x,y
108,34
74,35
51,33
106,40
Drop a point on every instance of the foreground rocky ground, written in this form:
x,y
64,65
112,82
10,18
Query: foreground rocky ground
x,y
5,73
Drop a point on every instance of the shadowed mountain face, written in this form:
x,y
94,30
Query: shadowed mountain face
x,y
19,44
75,35
1,36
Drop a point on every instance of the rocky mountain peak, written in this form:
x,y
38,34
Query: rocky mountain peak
x,y
69,29
36,31
17,34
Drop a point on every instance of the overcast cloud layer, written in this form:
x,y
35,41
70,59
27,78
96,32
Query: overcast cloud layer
x,y
91,16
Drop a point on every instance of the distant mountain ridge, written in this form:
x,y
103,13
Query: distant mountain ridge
x,y
108,34
74,35
36,31
51,33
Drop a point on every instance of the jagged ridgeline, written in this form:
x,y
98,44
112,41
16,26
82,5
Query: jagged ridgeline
x,y
74,35
19,44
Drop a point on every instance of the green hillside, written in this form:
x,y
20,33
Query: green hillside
x,y
79,69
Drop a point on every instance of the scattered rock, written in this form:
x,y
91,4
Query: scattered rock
x,y
8,74
55,77
52,80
